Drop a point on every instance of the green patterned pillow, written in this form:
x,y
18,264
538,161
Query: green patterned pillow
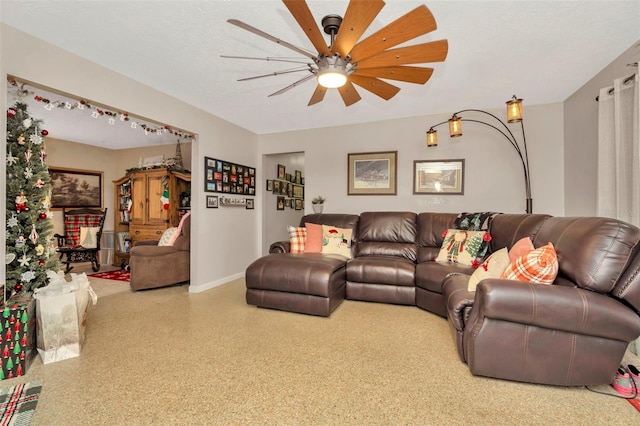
x,y
464,247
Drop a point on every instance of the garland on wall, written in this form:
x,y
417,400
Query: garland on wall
x,y
20,92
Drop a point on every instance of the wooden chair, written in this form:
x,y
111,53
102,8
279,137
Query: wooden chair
x,y
81,239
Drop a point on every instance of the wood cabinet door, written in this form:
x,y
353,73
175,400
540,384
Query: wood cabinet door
x,y
138,198
156,213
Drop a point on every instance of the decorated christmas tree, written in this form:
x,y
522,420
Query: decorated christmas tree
x,y
29,241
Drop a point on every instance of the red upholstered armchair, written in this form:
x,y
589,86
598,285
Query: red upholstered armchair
x,y
81,239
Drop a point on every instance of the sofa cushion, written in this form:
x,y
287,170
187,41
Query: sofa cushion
x,y
430,275
465,247
431,226
539,266
507,229
297,238
387,234
389,270
493,267
336,240
314,238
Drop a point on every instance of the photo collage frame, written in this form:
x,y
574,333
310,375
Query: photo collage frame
x,y
288,187
229,178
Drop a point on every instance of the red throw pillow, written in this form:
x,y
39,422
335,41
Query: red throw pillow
x,y
314,238
520,248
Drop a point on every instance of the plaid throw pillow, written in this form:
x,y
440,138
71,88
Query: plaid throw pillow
x,y
73,223
539,266
297,238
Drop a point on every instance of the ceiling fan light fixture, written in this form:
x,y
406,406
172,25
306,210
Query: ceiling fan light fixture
x,y
332,72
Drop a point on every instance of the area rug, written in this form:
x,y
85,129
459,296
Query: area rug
x,y
118,275
18,403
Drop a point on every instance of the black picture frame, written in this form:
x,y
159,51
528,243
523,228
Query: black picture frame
x,y
249,204
228,178
212,201
269,186
281,171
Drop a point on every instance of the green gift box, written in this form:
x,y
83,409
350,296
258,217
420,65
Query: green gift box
x,y
17,335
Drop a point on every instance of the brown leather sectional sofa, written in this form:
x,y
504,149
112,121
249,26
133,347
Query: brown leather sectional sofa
x,y
572,333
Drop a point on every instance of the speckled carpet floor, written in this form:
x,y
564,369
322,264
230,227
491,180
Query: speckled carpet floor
x,y
166,356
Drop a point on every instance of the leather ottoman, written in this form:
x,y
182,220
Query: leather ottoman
x,y
309,283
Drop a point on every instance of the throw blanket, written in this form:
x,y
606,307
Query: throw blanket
x,y
18,403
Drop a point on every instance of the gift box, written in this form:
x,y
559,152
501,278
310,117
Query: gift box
x,y
17,335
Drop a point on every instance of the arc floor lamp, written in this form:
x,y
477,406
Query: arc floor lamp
x,y
514,115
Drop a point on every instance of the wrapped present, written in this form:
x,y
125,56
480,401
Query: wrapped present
x,y
17,335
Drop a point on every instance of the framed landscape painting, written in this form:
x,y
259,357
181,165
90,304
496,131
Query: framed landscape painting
x,y
75,188
438,177
372,173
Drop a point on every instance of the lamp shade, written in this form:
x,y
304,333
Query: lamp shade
x,y
432,138
514,110
455,126
332,79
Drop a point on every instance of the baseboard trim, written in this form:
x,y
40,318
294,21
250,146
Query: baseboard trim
x,y
216,283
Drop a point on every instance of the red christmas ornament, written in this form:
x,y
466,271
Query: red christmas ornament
x,y
44,132
18,287
11,112
41,263
42,216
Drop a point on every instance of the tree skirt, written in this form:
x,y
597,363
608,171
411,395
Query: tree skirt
x,y
118,275
18,403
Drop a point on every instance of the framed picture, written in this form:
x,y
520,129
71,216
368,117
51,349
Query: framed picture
x,y
249,204
280,205
372,173
438,177
298,202
230,178
75,188
212,201
281,172
298,191
270,185
298,178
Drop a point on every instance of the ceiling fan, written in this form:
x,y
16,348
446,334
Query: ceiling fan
x,y
347,61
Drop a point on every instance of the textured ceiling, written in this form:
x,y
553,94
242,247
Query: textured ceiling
x,y
543,51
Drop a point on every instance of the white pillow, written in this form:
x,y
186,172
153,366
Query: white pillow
x,y
89,236
167,236
493,267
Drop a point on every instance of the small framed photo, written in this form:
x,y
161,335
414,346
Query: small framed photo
x,y
298,204
280,205
276,187
270,185
249,204
212,201
443,177
281,171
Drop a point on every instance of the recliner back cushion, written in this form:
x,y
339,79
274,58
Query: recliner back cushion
x,y
387,234
431,227
507,229
593,252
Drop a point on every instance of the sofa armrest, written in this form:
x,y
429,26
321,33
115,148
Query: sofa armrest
x,y
280,247
458,299
569,309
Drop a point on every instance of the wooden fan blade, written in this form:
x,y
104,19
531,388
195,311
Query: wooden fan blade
x,y
291,86
305,19
435,51
318,95
415,23
378,87
349,94
256,31
415,75
359,15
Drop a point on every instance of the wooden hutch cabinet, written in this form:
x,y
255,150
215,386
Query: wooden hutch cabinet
x,y
143,210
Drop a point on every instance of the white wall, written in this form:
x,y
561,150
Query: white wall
x,y
223,240
274,222
581,135
494,175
